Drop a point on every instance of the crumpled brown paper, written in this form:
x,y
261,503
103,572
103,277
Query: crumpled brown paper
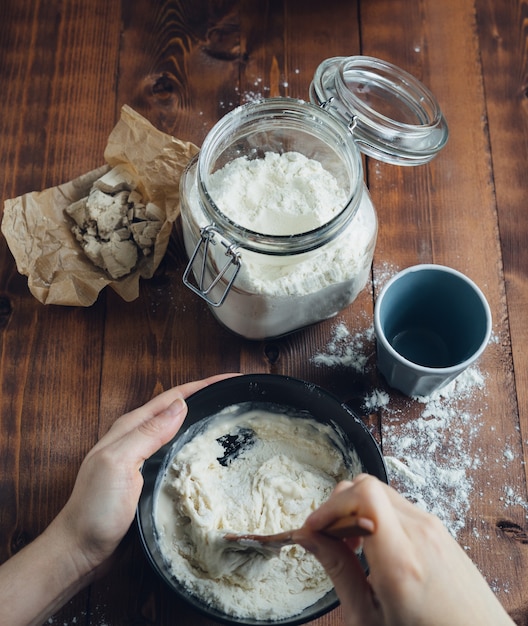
x,y
39,233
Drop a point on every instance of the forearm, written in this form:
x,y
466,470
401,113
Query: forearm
x,y
40,578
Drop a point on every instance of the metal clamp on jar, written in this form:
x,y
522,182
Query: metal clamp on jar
x,y
268,259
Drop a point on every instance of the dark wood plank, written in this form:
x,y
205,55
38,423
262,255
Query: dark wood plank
x,y
180,62
502,37
502,30
58,65
446,213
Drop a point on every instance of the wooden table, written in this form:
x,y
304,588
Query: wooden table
x,y
67,373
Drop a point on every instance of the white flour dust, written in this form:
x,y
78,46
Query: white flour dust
x,y
429,457
345,349
58,621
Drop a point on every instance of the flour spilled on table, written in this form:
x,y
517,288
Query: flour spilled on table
x,y
428,458
58,621
346,349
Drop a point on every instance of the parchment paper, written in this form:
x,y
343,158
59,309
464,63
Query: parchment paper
x,y
39,233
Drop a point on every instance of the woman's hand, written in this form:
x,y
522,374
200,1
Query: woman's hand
x,y
106,493
80,541
418,573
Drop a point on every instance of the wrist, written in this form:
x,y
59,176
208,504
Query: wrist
x,y
51,569
80,566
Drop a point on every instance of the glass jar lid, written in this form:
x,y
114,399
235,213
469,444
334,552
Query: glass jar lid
x,y
392,115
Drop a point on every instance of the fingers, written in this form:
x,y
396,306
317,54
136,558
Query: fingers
x,y
161,401
137,435
346,573
367,497
339,559
158,404
344,501
138,444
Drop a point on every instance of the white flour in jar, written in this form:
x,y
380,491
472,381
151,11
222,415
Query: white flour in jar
x,y
281,194
276,294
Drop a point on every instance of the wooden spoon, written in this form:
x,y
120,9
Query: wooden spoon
x,y
350,526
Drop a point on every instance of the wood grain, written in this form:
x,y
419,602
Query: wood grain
x,y
66,374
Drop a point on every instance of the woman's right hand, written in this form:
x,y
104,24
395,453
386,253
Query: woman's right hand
x,y
418,572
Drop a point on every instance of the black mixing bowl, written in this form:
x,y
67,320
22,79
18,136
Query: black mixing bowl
x,y
276,394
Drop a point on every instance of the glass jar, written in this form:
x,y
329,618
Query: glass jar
x,y
266,280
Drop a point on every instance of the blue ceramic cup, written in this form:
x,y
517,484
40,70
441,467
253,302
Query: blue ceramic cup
x,y
431,323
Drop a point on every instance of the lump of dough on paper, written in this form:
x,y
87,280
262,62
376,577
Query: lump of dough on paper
x,y
113,225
